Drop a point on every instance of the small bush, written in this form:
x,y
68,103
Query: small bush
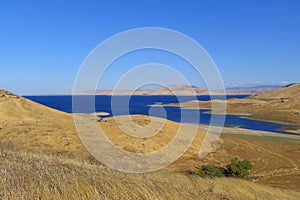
x,y
209,171
239,168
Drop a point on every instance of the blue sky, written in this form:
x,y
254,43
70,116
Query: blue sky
x,y
43,43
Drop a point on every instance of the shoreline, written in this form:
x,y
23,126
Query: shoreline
x,y
233,129
243,115
249,132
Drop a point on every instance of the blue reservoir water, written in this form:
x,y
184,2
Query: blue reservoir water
x,y
141,105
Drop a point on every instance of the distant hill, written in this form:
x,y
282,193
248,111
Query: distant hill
x,y
173,90
281,105
183,90
258,89
277,105
291,92
168,90
254,87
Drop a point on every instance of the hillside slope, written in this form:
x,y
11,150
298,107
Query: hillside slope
x,y
35,176
26,124
280,105
290,92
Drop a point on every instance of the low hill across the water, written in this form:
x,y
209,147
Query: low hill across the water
x,y
179,90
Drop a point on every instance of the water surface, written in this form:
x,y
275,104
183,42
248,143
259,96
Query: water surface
x,y
141,105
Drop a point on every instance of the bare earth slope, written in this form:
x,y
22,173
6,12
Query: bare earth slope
x,y
39,151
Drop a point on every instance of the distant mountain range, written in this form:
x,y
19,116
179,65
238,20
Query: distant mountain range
x,y
184,90
254,87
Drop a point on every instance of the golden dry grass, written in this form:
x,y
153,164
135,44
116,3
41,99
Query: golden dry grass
x,y
165,132
25,175
33,126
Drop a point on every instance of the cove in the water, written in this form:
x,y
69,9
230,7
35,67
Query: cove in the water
x,y
141,105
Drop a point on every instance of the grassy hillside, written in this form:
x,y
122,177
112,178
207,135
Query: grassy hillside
x,y
33,126
280,105
291,91
26,175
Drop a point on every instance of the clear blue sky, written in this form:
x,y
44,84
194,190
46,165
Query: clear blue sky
x,y
43,43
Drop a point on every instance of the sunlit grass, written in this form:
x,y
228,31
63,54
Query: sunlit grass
x,y
26,175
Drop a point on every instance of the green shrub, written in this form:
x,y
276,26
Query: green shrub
x,y
209,171
239,168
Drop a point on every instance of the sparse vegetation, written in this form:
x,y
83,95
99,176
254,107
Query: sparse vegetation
x,y
237,168
210,171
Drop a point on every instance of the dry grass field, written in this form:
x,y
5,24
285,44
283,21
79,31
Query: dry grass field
x,y
26,175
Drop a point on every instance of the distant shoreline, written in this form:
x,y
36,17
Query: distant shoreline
x,y
133,95
171,90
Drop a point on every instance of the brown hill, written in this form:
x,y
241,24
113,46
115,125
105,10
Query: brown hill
x,y
290,92
181,90
280,105
26,124
168,90
173,90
